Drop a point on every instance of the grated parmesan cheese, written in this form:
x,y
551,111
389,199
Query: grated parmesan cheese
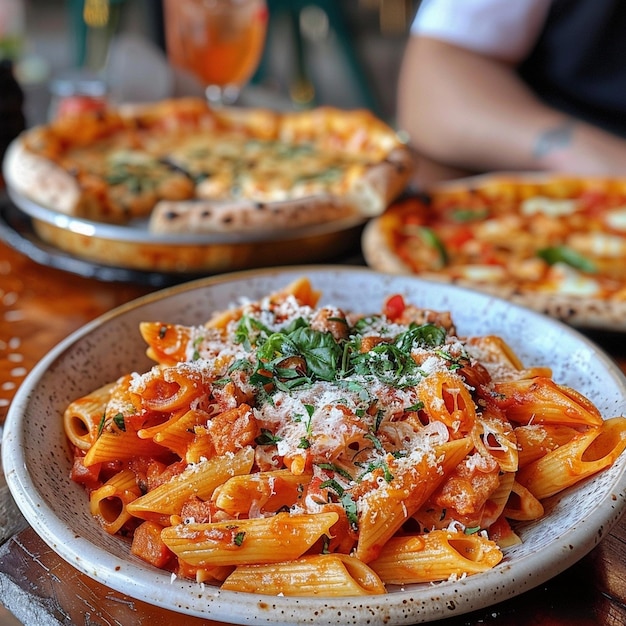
x,y
350,430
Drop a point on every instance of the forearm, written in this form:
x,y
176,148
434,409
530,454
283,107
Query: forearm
x,y
472,112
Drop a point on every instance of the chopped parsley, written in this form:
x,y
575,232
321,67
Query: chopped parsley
x,y
118,420
267,438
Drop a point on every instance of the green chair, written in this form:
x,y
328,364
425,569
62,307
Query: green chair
x,y
302,88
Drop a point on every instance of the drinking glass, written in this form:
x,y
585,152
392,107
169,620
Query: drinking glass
x,y
220,42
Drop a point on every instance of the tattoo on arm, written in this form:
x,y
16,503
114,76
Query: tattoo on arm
x,y
554,139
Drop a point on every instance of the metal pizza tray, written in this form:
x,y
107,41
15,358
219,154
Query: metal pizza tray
x,y
133,247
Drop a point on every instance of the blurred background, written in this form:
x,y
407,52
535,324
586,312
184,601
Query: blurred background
x,y
344,53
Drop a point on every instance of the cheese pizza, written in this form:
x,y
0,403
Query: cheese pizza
x,y
556,244
185,167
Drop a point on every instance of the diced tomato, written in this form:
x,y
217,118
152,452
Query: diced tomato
x,y
457,237
147,545
168,473
314,490
394,307
199,510
87,476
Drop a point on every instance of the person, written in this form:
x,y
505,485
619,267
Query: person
x,y
535,85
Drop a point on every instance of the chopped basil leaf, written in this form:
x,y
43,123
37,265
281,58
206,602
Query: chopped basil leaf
x,y
118,420
101,424
336,469
569,256
332,484
462,214
319,350
196,344
426,335
374,439
379,465
389,364
267,438
431,239
249,331
349,506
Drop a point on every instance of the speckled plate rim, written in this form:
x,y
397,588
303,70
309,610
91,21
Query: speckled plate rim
x,y
550,545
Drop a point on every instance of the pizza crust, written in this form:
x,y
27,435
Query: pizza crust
x,y
377,251
383,182
210,216
41,180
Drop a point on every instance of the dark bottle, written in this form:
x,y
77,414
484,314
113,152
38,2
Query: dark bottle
x,y
12,121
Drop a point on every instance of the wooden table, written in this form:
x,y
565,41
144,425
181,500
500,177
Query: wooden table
x,y
39,306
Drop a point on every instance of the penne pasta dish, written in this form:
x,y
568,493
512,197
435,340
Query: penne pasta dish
x,y
293,448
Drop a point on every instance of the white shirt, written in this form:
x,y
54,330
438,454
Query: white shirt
x,y
507,29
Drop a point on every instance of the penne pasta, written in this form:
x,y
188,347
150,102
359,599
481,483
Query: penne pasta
x,y
329,452
211,574
171,388
333,575
536,440
438,555
495,505
494,350
261,492
178,433
83,417
110,502
120,446
167,343
259,540
541,400
522,505
198,480
502,533
302,290
385,508
584,455
447,400
495,437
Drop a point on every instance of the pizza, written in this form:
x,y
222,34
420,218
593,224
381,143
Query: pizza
x,y
184,167
554,243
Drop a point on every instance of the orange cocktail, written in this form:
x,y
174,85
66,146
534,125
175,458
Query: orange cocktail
x,y
219,41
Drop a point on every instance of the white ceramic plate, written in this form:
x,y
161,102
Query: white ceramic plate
x,y
37,461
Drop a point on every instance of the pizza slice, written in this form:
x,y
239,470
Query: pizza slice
x,y
556,244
